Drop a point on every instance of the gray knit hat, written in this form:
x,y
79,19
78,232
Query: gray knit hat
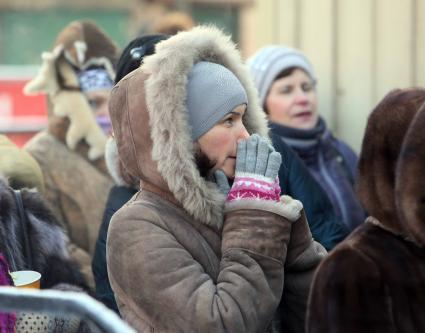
x,y
268,62
212,92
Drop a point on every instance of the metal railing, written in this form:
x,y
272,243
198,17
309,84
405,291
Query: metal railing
x,y
62,303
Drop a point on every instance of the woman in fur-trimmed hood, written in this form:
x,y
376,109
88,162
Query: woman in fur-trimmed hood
x,y
374,281
188,253
77,77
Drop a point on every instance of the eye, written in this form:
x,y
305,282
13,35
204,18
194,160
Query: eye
x,y
286,90
307,86
94,103
229,121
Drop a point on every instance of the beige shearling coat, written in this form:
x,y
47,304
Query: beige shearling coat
x,y
179,259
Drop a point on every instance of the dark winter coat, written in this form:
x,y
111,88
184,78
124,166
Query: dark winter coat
x,y
374,281
296,181
118,196
47,241
332,163
179,259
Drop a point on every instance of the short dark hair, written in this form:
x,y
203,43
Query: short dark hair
x,y
286,72
204,164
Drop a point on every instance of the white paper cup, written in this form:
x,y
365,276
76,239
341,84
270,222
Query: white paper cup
x,y
26,279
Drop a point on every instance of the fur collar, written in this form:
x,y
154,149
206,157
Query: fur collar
x,y
171,148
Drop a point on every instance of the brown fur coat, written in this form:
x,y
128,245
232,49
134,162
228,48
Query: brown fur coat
x,y
374,281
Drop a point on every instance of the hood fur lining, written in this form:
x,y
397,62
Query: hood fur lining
x,y
170,130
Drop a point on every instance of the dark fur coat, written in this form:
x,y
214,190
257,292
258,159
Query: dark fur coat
x,y
374,281
48,242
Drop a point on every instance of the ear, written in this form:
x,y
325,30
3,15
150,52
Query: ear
x,y
45,81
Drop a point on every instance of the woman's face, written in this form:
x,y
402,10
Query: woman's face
x,y
292,101
220,143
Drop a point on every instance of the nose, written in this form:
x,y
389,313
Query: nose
x,y
301,98
103,110
243,133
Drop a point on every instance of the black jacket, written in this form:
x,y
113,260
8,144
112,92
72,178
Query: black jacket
x,y
296,181
332,163
118,196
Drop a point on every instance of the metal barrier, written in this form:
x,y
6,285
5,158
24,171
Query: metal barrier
x,y
65,303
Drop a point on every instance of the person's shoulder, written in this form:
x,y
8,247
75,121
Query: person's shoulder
x,y
137,212
348,256
343,147
47,149
40,139
287,153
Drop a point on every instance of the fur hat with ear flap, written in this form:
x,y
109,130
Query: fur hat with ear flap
x,y
81,46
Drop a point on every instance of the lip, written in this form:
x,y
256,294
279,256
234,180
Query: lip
x,y
303,113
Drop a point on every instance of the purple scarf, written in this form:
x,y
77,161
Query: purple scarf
x,y
7,320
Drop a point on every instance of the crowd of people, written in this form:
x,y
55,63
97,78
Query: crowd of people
x,y
191,190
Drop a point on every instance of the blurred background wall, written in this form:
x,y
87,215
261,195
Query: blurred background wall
x,y
361,49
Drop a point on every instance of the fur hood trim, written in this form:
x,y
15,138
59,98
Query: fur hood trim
x,y
172,150
112,162
410,181
391,163
115,168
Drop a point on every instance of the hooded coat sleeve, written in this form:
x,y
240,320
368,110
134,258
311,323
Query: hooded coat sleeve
x,y
159,284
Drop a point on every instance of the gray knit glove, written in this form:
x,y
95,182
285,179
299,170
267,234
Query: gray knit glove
x,y
222,182
257,167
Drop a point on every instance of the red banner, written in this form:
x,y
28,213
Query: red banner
x,y
20,116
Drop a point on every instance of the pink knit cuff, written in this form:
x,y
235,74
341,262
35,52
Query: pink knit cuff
x,y
250,187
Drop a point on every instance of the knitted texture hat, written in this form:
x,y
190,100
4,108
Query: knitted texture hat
x,y
268,62
212,92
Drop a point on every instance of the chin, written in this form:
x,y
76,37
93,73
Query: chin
x,y
229,175
306,124
229,169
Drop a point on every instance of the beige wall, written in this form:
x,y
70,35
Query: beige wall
x,y
361,49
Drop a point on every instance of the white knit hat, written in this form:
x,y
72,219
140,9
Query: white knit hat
x,y
266,64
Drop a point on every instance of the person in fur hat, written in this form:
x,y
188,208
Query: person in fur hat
x,y
374,281
77,76
191,251
125,185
